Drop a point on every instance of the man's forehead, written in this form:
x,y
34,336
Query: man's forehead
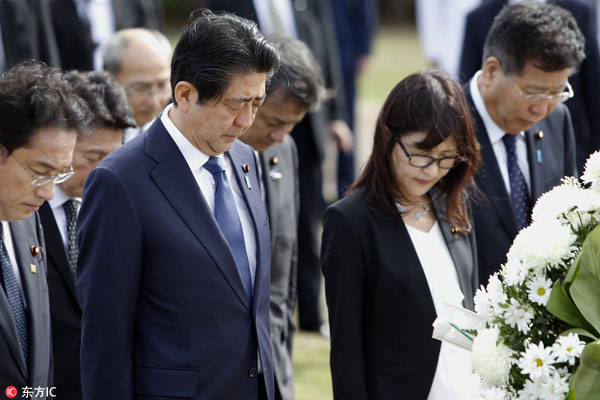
x,y
246,87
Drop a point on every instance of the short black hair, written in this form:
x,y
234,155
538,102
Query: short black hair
x,y
104,97
545,34
299,74
214,47
34,96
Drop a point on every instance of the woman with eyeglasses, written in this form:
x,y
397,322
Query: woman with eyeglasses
x,y
400,245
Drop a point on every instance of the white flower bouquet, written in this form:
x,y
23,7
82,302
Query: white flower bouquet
x,y
541,313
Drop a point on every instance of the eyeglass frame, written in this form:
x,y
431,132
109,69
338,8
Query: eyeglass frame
x,y
541,96
457,159
149,91
41,180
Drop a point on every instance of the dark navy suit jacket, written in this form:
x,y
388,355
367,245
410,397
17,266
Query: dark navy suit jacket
x,y
550,158
165,313
586,85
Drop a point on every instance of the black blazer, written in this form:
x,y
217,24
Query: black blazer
x,y
380,306
550,158
586,85
65,311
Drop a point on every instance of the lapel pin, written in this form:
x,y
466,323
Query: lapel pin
x,y
33,268
274,160
275,175
539,156
453,230
539,135
246,168
35,250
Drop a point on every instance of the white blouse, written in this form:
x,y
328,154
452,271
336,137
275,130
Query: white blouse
x,y
453,377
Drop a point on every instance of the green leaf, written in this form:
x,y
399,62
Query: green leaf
x,y
586,380
580,332
572,272
585,288
561,305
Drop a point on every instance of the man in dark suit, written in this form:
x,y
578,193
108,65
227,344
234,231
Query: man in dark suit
x,y
81,26
112,114
524,132
174,245
26,32
585,105
295,89
311,22
38,124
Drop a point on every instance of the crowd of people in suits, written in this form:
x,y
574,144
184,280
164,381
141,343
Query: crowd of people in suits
x,y
161,217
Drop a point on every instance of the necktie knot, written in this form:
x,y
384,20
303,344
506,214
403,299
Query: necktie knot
x,y
214,165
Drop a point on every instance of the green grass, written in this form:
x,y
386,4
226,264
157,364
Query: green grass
x,y
311,367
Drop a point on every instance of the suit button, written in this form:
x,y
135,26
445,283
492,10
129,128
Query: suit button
x,y
253,372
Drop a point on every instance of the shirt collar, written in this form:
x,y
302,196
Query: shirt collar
x,y
60,198
192,155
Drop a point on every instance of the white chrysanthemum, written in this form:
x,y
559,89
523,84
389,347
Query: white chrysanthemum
x,y
538,290
537,361
518,315
568,348
530,391
543,245
591,171
483,306
491,361
557,201
514,271
553,387
494,393
495,292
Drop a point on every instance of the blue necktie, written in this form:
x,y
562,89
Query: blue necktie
x,y
15,301
229,221
518,188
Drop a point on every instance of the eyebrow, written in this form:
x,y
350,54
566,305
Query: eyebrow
x,y
537,87
47,165
247,99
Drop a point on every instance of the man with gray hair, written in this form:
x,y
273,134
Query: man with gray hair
x,y
295,89
140,61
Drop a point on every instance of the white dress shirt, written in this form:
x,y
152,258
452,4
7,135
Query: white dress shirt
x,y
284,11
453,378
10,248
57,203
206,183
495,133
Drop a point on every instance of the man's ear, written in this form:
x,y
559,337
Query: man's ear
x,y
185,94
490,71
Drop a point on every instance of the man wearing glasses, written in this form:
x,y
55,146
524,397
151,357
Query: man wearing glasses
x,y
40,115
524,131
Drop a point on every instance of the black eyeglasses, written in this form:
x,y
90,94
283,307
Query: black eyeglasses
x,y
421,161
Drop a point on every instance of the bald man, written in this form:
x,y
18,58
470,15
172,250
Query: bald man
x,y
140,60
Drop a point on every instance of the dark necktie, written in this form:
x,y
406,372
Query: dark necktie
x,y
518,188
70,207
229,221
15,300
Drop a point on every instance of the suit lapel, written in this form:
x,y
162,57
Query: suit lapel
x,y
55,249
535,157
488,178
175,180
458,249
253,198
270,192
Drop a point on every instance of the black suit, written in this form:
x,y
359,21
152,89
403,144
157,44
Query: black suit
x,y
586,85
380,305
550,158
27,32
314,26
65,311
74,39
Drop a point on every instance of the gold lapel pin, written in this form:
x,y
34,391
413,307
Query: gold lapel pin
x,y
274,160
33,268
539,135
